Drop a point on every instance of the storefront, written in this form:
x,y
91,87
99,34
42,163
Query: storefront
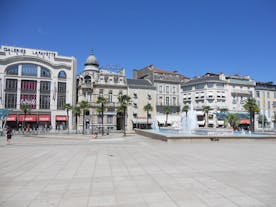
x,y
61,122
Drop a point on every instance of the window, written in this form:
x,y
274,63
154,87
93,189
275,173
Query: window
x,y
160,89
44,72
134,115
174,101
258,94
135,105
210,85
29,70
160,100
200,86
28,85
101,91
167,101
87,79
167,89
62,75
45,86
174,91
61,99
268,94
274,94
44,102
110,96
11,85
135,95
12,70
61,87
149,97
109,119
10,100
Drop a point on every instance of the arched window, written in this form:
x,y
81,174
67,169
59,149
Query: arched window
x,y
12,70
62,75
87,79
45,72
29,70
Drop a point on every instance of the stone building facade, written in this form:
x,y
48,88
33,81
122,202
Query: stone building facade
x,y
94,82
266,100
142,93
219,91
167,84
41,79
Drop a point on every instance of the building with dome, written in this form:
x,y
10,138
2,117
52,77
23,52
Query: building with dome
x,y
95,81
43,81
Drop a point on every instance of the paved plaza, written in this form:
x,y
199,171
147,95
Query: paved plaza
x,y
134,171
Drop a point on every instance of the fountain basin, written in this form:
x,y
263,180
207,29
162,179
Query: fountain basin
x,y
174,134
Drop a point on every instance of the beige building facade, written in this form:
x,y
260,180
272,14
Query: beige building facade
x,y
142,93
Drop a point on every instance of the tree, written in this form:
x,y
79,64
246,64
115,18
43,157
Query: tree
x,y
25,109
185,109
76,112
67,107
233,120
167,111
84,106
124,101
102,101
252,107
206,110
148,108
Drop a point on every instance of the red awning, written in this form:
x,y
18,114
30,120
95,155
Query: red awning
x,y
45,118
61,118
244,121
11,117
30,118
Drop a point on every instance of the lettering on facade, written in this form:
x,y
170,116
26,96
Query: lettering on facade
x,y
23,51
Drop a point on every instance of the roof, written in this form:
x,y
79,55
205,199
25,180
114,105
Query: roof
x,y
139,83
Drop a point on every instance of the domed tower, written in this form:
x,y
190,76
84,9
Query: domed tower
x,y
91,63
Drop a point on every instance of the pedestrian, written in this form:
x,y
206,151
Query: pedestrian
x,y
9,135
94,136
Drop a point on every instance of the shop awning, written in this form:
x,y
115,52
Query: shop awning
x,y
11,117
29,118
44,118
61,118
244,121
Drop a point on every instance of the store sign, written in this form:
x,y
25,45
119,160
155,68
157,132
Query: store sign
x,y
28,99
11,117
44,118
61,118
28,118
27,51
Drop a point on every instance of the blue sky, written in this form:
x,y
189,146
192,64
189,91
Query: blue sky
x,y
190,36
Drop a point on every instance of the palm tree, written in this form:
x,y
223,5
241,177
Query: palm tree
x,y
102,101
124,101
185,109
167,111
233,120
76,112
25,109
252,107
148,108
67,107
206,110
84,106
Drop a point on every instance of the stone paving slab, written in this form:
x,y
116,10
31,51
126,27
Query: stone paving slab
x,y
136,171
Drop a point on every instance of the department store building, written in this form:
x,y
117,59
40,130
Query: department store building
x,y
41,79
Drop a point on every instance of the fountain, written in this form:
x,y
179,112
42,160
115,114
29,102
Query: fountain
x,y
187,128
155,126
188,121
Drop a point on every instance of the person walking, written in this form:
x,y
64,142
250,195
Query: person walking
x,y
9,135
